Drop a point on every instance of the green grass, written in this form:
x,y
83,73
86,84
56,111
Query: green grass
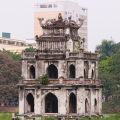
x,y
8,116
5,116
111,117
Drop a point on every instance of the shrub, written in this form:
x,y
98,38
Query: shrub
x,y
44,80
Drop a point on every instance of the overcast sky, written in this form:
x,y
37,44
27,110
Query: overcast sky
x,y
17,18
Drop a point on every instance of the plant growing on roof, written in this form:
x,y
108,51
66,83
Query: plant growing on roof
x,y
44,79
78,46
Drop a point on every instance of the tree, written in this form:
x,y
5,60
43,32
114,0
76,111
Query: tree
x,y
103,57
30,49
15,56
10,71
106,47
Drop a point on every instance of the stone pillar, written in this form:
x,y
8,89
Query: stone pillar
x,y
62,102
42,45
24,69
37,44
21,100
81,100
37,101
67,53
90,69
6,42
15,43
100,101
81,54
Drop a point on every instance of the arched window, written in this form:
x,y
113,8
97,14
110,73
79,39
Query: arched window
x,y
95,105
92,76
86,105
30,103
51,103
32,72
72,103
52,71
72,71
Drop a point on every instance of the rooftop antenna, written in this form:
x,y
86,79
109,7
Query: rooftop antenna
x,y
111,37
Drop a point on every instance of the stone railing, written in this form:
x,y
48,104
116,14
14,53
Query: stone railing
x,y
82,54
63,81
88,55
49,51
27,54
73,54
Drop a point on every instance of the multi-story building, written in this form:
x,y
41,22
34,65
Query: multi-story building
x,y
74,89
66,8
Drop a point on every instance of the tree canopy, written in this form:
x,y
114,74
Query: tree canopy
x,y
109,71
30,49
10,71
15,56
107,47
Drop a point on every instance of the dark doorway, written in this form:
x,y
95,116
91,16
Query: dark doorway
x,y
72,103
51,103
86,106
72,71
95,106
32,72
30,100
92,75
52,71
84,74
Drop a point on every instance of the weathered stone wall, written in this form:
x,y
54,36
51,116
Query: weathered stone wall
x,y
63,96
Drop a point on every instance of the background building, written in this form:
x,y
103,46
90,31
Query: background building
x,y
66,8
6,35
13,45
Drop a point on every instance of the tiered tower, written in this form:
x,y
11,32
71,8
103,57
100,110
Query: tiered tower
x,y
74,88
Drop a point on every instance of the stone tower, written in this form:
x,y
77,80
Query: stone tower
x,y
74,88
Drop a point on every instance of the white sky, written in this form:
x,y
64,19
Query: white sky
x,y
17,18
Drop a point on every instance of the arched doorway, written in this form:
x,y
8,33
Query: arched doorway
x,y
30,103
86,106
32,72
95,105
52,71
51,103
72,103
72,71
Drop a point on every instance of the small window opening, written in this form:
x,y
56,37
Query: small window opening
x,y
92,75
55,5
72,71
32,72
43,6
50,6
95,106
86,106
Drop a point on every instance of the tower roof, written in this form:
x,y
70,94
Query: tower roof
x,y
60,23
